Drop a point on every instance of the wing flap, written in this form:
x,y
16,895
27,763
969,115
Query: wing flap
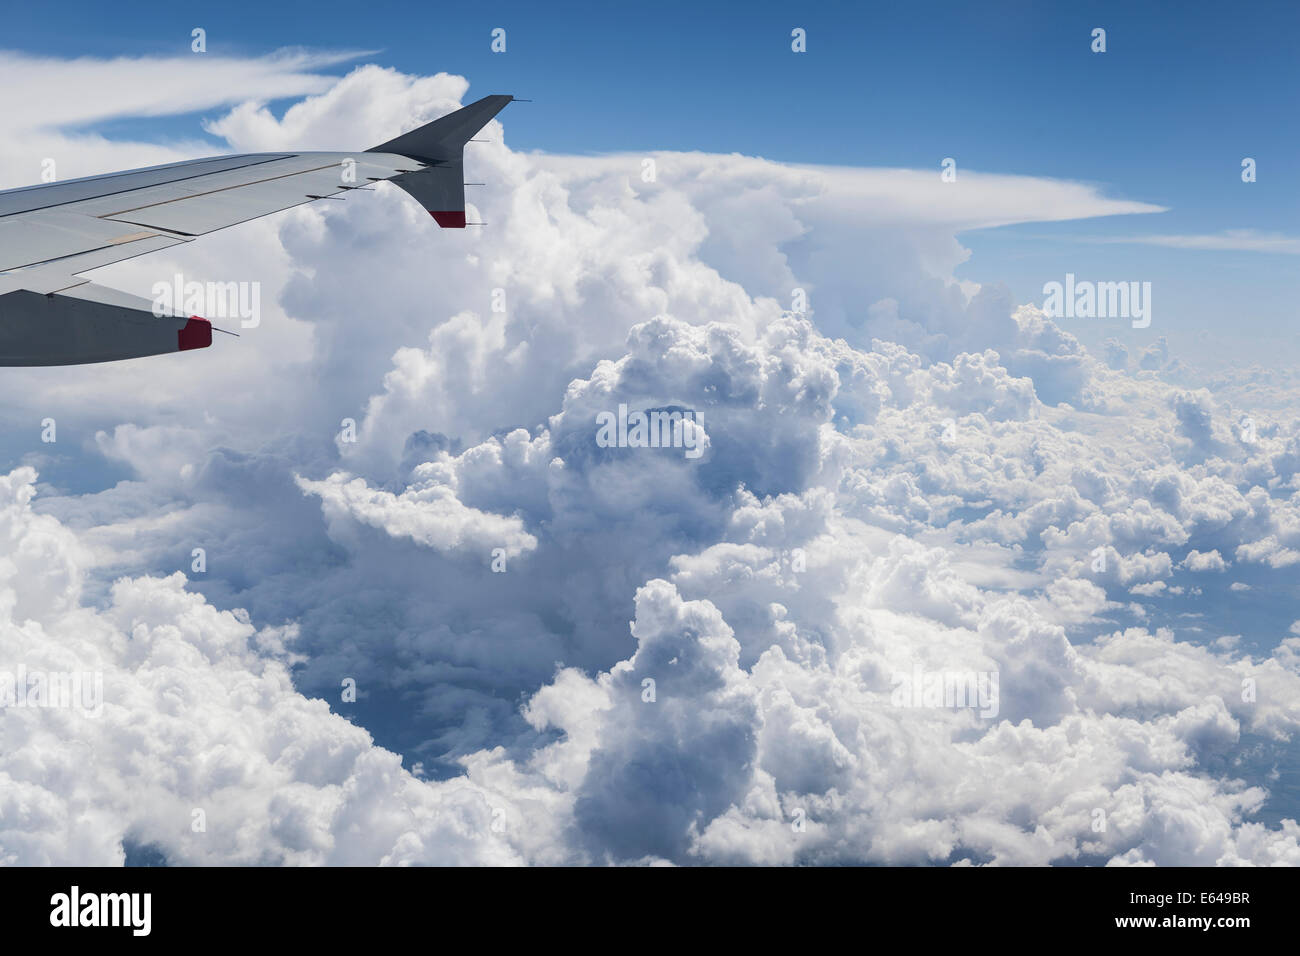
x,y
55,275
46,236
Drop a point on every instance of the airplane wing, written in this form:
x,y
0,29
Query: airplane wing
x,y
50,234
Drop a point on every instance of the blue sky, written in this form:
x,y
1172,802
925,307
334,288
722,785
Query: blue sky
x,y
1005,86
1165,115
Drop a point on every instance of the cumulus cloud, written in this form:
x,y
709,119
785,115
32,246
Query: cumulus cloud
x,y
202,749
1209,561
428,512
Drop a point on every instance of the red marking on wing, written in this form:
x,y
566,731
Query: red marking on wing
x,y
449,220
197,334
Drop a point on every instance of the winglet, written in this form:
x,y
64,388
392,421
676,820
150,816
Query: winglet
x,y
441,141
440,186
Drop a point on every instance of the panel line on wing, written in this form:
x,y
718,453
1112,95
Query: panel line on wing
x,y
30,199
210,192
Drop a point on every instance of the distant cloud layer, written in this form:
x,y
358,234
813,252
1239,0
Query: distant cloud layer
x,y
1233,240
620,654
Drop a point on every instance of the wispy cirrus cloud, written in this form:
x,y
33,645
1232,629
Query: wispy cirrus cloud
x,y
1231,240
59,123
155,86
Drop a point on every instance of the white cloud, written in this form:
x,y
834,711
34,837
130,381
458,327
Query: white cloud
x,y
427,512
197,716
1207,561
